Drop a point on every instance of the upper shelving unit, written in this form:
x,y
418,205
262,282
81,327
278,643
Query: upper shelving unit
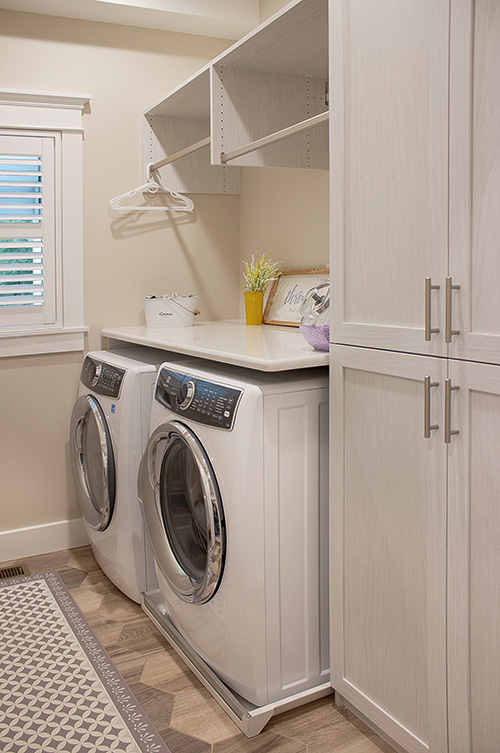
x,y
180,120
260,103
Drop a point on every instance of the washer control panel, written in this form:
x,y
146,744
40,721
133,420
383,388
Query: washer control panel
x,y
102,378
198,400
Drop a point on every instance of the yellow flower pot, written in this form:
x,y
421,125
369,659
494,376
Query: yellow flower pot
x,y
253,306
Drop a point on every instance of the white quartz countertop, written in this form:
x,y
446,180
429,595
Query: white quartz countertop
x,y
265,348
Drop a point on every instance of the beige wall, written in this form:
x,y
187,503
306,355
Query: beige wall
x,y
126,71
283,212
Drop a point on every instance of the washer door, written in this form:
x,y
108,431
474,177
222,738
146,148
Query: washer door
x,y
183,512
92,462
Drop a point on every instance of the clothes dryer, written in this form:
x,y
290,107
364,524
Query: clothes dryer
x,y
234,489
109,429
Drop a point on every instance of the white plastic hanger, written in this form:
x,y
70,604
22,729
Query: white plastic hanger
x,y
153,186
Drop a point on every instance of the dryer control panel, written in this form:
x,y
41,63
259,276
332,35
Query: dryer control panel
x,y
102,378
209,403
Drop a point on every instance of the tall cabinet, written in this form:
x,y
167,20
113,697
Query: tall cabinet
x,y
415,394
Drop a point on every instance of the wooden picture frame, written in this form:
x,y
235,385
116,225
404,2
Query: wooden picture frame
x,y
287,294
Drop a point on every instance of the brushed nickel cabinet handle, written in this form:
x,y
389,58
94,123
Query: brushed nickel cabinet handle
x,y
429,330
448,431
449,331
428,427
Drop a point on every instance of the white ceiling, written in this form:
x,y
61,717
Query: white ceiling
x,y
229,19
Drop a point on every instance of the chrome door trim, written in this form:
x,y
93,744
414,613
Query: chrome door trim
x,y
185,587
97,519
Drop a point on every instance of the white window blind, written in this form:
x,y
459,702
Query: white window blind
x,y
27,230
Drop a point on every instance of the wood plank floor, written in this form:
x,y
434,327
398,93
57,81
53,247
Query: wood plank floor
x,y
184,713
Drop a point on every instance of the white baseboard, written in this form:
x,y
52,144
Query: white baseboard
x,y
50,537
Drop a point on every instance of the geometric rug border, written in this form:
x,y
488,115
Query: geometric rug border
x,y
127,704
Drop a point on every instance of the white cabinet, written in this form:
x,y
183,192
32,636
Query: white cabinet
x,y
415,176
388,543
415,539
415,88
389,169
474,559
475,178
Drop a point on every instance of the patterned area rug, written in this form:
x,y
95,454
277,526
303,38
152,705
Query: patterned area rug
x,y
59,690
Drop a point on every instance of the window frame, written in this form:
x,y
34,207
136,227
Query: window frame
x,y
44,113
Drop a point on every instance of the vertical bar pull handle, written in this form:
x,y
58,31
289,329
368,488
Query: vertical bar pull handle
x,y
449,331
429,330
448,431
428,427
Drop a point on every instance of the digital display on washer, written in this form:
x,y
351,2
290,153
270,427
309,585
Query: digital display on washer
x,y
198,400
102,378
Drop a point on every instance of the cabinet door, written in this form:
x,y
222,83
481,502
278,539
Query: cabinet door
x,y
388,543
389,170
475,179
474,559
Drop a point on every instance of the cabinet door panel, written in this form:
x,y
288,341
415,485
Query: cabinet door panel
x,y
389,128
474,560
389,544
475,178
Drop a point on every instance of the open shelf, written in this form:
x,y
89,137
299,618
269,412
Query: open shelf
x,y
272,79
180,120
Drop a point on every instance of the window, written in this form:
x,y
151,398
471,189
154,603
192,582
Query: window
x,y
27,238
41,251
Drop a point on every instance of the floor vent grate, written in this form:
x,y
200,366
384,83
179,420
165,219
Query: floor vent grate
x,y
13,572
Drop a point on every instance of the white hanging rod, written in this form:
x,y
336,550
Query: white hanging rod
x,y
304,125
181,153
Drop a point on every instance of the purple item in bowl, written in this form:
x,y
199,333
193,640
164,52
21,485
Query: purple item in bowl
x,y
318,337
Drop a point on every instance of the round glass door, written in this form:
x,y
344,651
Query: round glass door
x,y
92,462
183,512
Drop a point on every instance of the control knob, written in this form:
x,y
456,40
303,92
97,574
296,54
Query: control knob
x,y
185,394
97,374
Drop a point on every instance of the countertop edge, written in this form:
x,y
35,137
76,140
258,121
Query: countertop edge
x,y
308,360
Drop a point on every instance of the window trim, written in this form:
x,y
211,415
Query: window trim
x,y
42,112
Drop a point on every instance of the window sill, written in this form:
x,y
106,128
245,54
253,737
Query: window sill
x,y
38,341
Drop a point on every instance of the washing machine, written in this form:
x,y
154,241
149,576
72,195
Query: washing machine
x,y
109,429
234,489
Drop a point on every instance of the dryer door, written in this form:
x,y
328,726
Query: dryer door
x,y
92,462
183,512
